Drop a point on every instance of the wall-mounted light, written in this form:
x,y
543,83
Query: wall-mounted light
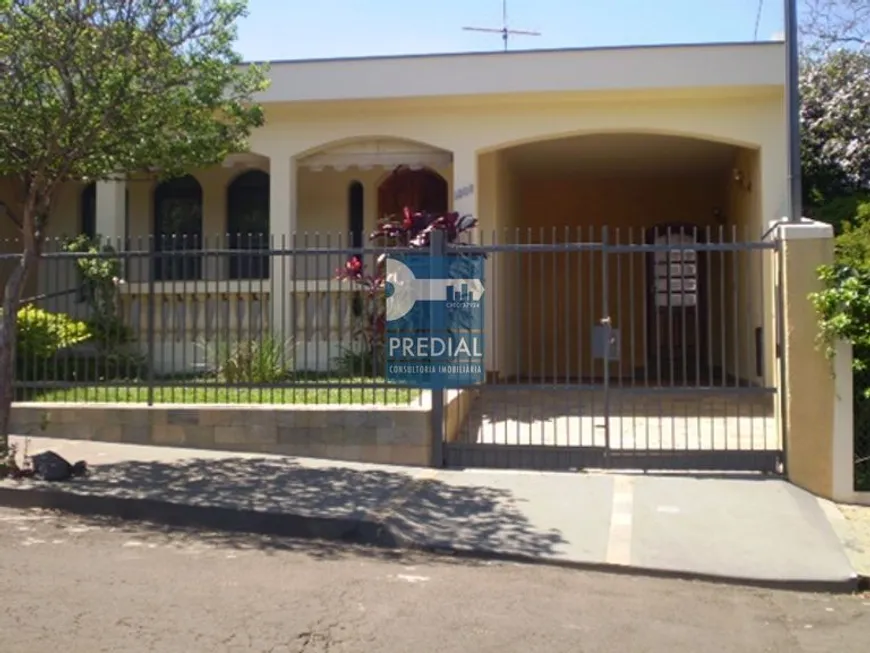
x,y
742,180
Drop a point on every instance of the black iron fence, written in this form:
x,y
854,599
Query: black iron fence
x,y
642,348
201,321
179,318
634,340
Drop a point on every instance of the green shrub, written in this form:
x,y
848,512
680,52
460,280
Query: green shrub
x,y
266,360
109,331
843,307
361,363
100,276
42,334
842,210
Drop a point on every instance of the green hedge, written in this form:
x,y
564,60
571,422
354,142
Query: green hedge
x,y
844,314
57,348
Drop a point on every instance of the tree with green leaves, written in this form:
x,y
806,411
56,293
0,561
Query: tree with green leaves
x,y
99,89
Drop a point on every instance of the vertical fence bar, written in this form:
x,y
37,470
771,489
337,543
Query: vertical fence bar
x,y
554,286
660,326
708,309
153,265
618,308
252,332
676,425
632,288
306,313
592,321
566,303
541,357
55,285
317,329
528,283
699,296
607,335
672,311
222,333
617,333
288,294
735,296
657,322
579,340
521,326
723,336
437,415
182,266
188,302
780,350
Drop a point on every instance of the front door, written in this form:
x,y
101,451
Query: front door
x,y
419,190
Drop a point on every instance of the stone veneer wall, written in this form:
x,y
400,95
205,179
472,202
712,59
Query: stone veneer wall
x,y
398,435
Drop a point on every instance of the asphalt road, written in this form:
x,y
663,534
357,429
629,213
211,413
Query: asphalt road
x,y
75,585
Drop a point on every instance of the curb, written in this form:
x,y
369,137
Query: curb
x,y
364,531
231,520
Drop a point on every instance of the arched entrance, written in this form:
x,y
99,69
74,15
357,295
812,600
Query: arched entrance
x,y
420,190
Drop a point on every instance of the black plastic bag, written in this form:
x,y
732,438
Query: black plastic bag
x,y
50,466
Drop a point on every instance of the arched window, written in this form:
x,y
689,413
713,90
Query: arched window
x,y
355,213
248,224
88,211
178,229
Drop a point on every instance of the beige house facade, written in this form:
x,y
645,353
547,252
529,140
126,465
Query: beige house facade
x,y
545,146
575,163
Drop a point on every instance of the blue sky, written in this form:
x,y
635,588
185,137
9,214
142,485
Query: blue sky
x,y
302,29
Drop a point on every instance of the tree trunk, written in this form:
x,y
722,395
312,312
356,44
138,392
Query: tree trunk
x,y
8,322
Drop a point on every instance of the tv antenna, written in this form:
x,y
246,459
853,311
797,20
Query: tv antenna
x,y
505,31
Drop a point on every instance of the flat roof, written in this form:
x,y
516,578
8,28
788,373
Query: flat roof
x,y
693,66
526,51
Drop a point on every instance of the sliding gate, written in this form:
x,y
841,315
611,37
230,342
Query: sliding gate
x,y
650,349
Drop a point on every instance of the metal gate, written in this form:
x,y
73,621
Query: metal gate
x,y
635,349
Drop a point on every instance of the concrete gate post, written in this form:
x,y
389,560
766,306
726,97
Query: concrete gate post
x,y
810,403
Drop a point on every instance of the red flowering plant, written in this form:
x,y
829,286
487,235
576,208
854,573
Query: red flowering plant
x,y
414,231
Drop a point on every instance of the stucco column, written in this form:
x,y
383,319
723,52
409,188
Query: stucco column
x,y
282,229
111,221
809,383
465,182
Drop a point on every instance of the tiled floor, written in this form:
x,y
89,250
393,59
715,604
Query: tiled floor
x,y
637,420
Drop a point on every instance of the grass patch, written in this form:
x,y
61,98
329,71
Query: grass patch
x,y
367,391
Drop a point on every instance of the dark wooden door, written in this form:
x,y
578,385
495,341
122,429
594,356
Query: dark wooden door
x,y
419,190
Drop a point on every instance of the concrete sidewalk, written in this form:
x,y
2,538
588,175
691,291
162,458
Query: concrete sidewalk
x,y
752,530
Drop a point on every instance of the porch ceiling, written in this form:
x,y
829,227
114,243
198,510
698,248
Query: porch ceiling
x,y
617,154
